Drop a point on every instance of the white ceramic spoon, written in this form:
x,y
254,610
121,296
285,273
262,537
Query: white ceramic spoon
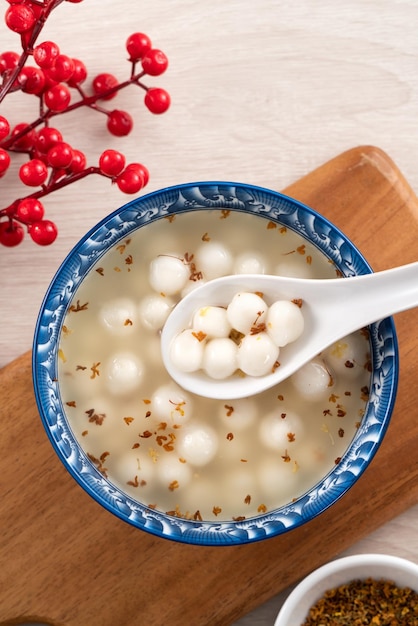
x,y
332,309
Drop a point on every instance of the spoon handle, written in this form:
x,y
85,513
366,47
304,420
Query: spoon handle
x,y
372,297
337,307
332,309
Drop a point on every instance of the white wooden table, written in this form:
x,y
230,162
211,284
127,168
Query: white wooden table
x,y
262,92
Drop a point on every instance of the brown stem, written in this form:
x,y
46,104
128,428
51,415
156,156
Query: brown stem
x,y
7,85
55,182
50,188
28,48
63,182
89,101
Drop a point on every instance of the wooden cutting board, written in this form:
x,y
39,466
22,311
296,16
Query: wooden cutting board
x,y
68,562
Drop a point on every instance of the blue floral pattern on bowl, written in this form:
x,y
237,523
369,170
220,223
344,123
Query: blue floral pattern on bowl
x,y
136,214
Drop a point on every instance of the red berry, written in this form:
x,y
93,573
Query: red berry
x,y
4,127
119,123
46,138
102,83
33,173
130,181
4,161
62,68
154,62
111,162
29,210
27,140
45,54
49,79
20,18
57,98
157,100
78,164
139,169
137,45
79,73
36,7
60,155
31,80
43,232
8,61
35,154
11,233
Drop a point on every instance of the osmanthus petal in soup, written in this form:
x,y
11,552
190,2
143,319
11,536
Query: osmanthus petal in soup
x,y
178,452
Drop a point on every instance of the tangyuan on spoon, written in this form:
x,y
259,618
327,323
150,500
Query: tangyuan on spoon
x,y
330,309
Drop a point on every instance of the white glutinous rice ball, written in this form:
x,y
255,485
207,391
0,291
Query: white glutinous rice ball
x,y
170,469
220,358
280,429
349,356
154,309
245,311
213,259
238,414
168,274
249,263
118,316
284,322
187,350
313,381
197,443
171,404
257,355
124,372
211,320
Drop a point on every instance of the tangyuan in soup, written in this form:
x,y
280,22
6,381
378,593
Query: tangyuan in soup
x,y
172,450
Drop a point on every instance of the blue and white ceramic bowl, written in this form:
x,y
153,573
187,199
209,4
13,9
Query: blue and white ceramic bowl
x,y
138,214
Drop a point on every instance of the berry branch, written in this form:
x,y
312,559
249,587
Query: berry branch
x,y
57,81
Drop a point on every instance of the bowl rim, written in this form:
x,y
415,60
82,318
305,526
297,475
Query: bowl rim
x,y
183,198
314,585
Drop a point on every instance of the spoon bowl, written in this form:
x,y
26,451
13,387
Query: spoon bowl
x,y
332,309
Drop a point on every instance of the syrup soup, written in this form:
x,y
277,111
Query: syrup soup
x,y
169,449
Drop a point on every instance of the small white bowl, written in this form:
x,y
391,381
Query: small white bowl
x,y
400,571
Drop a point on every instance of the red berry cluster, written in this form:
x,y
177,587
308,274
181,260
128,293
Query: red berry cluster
x,y
57,81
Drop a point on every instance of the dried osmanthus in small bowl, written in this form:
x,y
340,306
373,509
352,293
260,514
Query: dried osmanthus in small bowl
x,y
198,470
359,589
